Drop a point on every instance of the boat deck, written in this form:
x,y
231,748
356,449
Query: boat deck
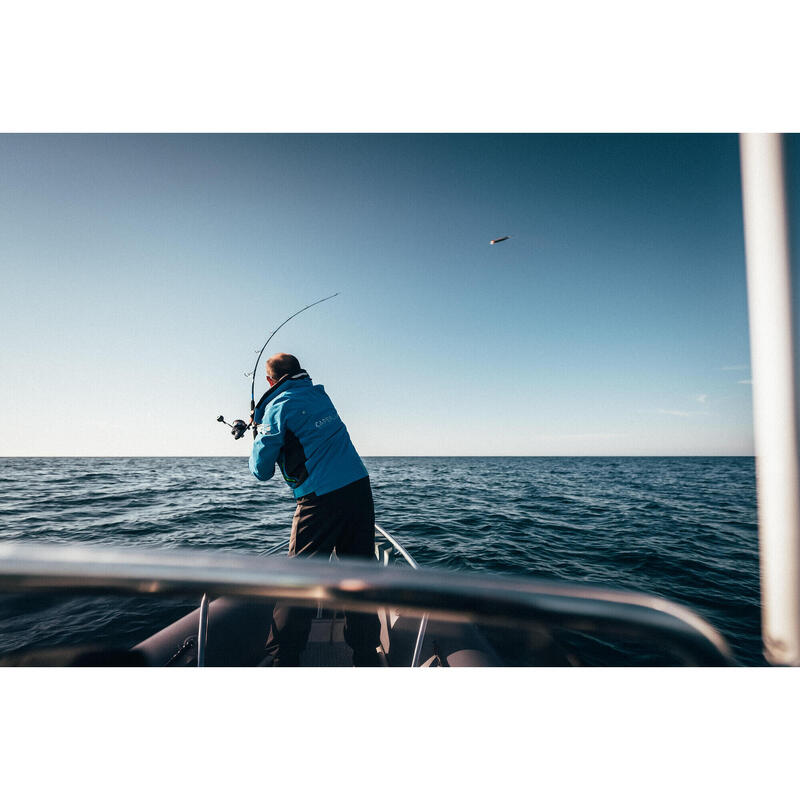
x,y
326,646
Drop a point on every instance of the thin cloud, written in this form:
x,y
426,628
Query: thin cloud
x,y
677,413
701,398
747,382
582,435
737,367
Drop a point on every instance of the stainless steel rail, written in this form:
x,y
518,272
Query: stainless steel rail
x,y
364,586
202,632
397,546
277,548
423,625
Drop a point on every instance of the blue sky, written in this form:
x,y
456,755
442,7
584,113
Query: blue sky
x,y
141,272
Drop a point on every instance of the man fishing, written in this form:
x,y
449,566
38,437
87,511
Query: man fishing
x,y
297,427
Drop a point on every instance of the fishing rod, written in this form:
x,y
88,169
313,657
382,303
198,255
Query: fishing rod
x,y
239,426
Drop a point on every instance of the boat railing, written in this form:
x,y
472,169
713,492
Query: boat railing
x,y
423,623
202,632
401,551
359,585
283,545
277,548
382,554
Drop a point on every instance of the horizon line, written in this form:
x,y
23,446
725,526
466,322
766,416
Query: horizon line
x,y
445,455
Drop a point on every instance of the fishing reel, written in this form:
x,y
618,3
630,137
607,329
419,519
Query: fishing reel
x,y
238,427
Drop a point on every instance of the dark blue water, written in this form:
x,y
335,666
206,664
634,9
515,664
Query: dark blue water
x,y
681,528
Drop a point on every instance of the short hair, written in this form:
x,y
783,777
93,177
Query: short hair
x,y
282,364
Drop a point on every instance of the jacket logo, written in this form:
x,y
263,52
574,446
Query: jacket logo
x,y
324,421
262,429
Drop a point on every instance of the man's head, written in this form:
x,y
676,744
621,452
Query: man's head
x,y
281,364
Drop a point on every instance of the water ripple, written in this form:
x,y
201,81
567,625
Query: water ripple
x,y
680,528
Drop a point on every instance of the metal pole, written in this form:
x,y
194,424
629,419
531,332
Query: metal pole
x,y
202,632
769,290
423,626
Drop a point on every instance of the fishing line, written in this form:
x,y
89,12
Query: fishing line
x,y
239,426
261,351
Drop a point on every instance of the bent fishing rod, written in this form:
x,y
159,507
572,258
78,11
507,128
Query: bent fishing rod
x,y
239,426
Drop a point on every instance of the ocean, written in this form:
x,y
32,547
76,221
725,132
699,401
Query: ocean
x,y
680,528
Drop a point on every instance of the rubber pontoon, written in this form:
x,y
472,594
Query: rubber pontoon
x,y
429,617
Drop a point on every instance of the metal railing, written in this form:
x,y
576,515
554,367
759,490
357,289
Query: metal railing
x,y
202,632
423,624
406,556
359,585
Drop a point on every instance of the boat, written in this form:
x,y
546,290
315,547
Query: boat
x,y
437,618
429,617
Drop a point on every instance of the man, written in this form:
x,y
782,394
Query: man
x,y
298,428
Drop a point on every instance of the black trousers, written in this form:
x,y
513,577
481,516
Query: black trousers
x,y
342,520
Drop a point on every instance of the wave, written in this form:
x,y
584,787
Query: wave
x,y
683,529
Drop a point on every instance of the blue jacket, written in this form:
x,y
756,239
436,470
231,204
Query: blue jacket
x,y
298,428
